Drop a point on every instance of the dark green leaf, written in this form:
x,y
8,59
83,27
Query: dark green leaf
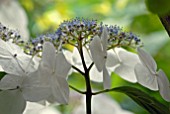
x,y
149,103
2,74
160,7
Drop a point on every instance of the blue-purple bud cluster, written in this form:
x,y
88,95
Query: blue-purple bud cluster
x,y
74,31
83,30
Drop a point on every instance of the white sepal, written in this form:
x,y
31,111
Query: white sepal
x,y
97,52
164,85
106,79
145,78
147,60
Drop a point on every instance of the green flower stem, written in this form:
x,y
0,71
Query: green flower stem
x,y
82,92
87,78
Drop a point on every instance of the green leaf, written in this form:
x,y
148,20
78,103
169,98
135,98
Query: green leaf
x,y
160,7
146,23
149,103
2,74
76,80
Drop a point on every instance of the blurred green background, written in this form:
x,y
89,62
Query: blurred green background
x,y
44,16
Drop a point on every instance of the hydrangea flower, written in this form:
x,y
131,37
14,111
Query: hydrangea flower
x,y
21,88
117,60
148,76
28,84
98,49
122,62
54,69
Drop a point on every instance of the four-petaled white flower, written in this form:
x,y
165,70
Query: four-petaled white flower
x,y
27,84
117,60
21,88
122,63
147,75
54,69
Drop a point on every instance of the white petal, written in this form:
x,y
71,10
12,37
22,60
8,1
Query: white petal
x,y
97,53
87,56
104,38
9,49
44,74
126,71
62,65
48,55
68,55
145,77
36,86
34,91
112,59
1,69
60,89
164,85
33,108
14,49
10,82
106,79
12,102
4,50
127,57
76,59
13,59
11,66
147,60
95,75
27,63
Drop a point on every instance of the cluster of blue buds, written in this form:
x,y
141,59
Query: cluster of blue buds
x,y
83,30
74,31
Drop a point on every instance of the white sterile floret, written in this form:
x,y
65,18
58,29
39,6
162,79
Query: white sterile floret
x,y
122,63
29,85
17,89
148,76
54,69
13,60
98,49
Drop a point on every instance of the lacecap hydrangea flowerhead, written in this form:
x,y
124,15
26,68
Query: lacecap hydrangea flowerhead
x,y
85,34
82,30
38,69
